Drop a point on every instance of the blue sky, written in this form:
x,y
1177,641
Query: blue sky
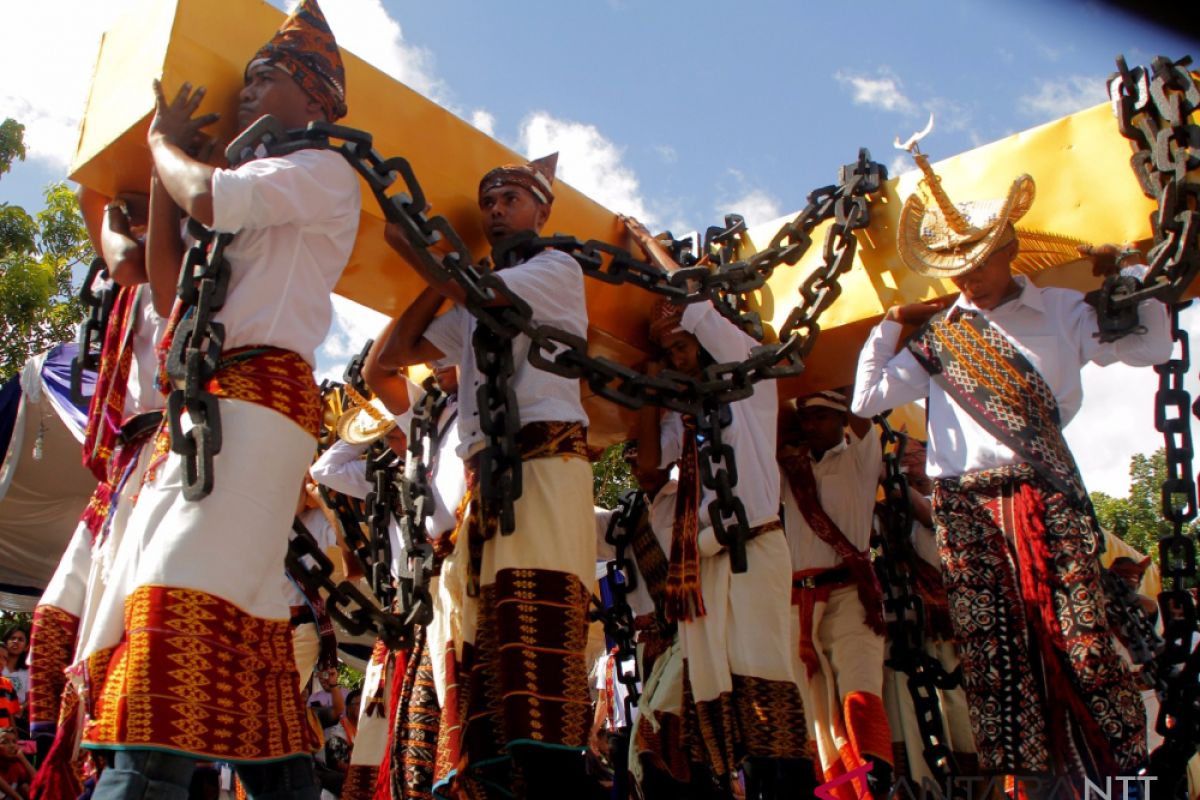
x,y
679,112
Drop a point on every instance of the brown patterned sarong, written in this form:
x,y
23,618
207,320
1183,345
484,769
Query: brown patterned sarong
x,y
417,722
523,678
1030,625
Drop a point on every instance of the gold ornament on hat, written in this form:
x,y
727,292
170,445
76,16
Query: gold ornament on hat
x,y
365,421
946,239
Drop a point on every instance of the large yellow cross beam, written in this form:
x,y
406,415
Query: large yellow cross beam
x,y
1080,163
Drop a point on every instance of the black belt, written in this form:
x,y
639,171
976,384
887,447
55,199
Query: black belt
x,y
140,425
829,576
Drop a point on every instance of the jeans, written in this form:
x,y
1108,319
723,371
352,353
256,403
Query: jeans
x,y
154,775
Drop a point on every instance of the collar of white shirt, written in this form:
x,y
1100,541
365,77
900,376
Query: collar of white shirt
x,y
1031,295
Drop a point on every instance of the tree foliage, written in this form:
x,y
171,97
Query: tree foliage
x,y
611,476
38,256
1138,519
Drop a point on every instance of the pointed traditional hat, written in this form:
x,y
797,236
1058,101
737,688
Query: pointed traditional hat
x,y
365,421
304,48
947,239
537,176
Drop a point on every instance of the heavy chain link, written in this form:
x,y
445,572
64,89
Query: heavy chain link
x,y
346,604
563,353
382,502
417,503
622,579
906,623
1153,109
194,359
97,294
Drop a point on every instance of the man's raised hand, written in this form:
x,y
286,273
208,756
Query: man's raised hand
x,y
173,122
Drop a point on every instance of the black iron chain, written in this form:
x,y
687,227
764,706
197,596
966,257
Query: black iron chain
x,y
1153,109
353,610
417,503
382,504
97,294
622,579
195,356
563,353
906,613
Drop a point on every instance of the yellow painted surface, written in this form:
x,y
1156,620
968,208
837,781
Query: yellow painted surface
x,y
1080,163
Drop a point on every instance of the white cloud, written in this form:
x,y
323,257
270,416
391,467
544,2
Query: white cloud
x,y
1052,98
1117,420
901,164
49,100
353,324
883,90
365,28
756,206
666,153
484,121
47,95
588,161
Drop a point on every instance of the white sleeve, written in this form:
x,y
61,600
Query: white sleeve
x,y
884,380
446,334
670,439
723,340
1137,349
304,187
341,469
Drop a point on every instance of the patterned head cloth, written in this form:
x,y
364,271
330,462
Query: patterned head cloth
x,y
827,399
537,176
304,48
665,319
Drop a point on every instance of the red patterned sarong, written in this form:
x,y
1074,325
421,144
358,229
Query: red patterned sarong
x,y
1047,690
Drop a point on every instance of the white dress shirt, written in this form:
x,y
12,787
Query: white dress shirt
x,y
1053,328
295,218
751,432
316,523
847,478
552,284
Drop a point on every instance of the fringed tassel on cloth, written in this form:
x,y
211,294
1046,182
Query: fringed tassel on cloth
x,y
683,600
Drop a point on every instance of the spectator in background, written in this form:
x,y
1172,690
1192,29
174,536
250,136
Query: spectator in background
x,y
16,668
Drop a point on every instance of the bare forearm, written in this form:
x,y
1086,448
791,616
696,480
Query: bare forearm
x,y
187,181
403,341
164,247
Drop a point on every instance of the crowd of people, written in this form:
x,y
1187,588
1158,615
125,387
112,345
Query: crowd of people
x,y
171,635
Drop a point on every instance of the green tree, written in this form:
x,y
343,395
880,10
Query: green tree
x,y
38,255
1138,519
611,476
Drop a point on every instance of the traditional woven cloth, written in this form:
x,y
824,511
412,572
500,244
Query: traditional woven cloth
x,y
1022,574
415,731
191,650
738,659
370,749
107,408
537,177
523,672
682,597
304,48
982,370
